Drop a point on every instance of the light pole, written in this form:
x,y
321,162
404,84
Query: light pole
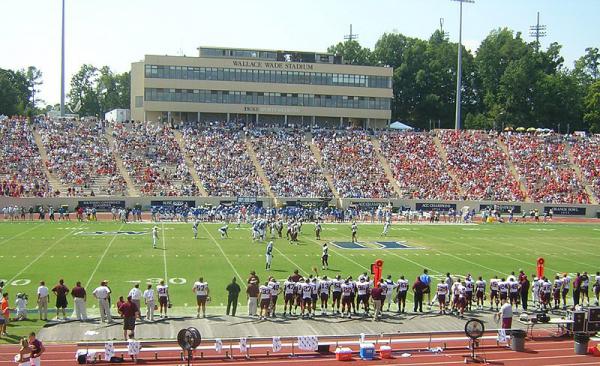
x,y
62,64
459,68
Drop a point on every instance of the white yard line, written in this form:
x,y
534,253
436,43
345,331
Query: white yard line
x,y
40,255
164,251
102,257
289,260
19,234
225,256
341,255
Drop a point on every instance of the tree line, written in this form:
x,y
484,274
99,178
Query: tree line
x,y
507,82
93,91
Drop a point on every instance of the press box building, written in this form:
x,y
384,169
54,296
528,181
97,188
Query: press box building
x,y
261,86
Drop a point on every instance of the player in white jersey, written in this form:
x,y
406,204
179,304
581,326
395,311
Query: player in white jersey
x,y
441,293
223,231
401,291
480,292
195,228
597,288
469,286
269,256
289,289
306,298
318,229
546,289
354,230
494,292
154,237
389,293
163,298
324,291
566,280
201,290
336,294
513,293
347,288
386,228
535,291
325,257
556,291
455,288
275,291
462,298
264,293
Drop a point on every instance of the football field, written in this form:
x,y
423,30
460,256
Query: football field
x,y
122,253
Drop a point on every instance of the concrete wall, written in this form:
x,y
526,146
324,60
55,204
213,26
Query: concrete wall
x,y
570,209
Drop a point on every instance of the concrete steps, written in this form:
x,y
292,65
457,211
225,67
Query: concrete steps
x,y
317,154
131,188
52,180
386,166
444,156
513,170
189,163
580,176
259,170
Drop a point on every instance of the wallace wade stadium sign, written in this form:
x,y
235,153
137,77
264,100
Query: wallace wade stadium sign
x,y
272,65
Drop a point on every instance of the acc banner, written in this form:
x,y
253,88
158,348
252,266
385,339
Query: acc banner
x,y
502,208
102,206
173,203
566,211
428,206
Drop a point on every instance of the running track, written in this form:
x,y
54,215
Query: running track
x,y
545,351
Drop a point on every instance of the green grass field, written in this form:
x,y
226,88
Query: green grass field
x,y
35,251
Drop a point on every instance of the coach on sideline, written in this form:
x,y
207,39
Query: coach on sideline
x,y
102,293
79,298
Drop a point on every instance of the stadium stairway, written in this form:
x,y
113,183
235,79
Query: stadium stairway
x,y
442,153
54,183
513,170
580,176
317,153
189,163
131,189
386,166
260,171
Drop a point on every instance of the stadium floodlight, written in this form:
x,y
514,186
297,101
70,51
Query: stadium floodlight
x,y
537,31
62,64
459,67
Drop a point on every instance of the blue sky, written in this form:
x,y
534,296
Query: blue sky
x,y
116,33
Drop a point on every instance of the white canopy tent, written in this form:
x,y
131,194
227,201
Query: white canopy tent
x,y
400,126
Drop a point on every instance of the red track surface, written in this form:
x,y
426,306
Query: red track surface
x,y
542,351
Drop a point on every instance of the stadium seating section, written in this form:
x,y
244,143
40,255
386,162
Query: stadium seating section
x,y
441,165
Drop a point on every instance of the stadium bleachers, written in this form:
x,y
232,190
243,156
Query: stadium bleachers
x,y
20,175
544,163
79,156
153,159
350,157
289,164
222,162
480,166
419,170
586,154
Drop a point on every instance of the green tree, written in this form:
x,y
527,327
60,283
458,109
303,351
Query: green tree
x,y
83,94
592,107
587,67
34,80
352,52
14,92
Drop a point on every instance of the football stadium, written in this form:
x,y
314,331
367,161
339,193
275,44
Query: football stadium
x,y
265,205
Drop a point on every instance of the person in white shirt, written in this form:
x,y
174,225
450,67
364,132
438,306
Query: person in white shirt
x,y
389,293
442,292
597,288
21,306
535,291
43,296
136,295
401,290
265,300
163,298
154,237
149,301
201,290
566,282
101,293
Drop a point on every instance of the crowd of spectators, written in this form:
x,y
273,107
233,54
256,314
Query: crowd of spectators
x,y
153,159
417,166
543,162
80,157
289,164
351,159
222,162
586,152
20,161
480,166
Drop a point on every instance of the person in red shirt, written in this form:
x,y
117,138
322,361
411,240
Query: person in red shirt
x,y
61,292
5,313
37,348
377,296
129,311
